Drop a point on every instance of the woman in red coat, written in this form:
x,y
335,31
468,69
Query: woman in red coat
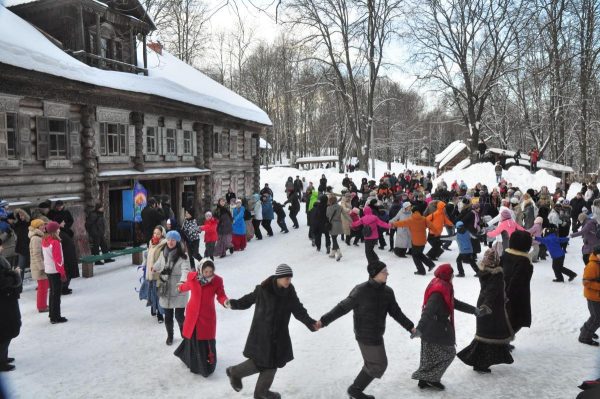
x,y
198,349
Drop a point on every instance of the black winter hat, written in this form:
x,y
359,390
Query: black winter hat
x,y
520,241
374,268
45,205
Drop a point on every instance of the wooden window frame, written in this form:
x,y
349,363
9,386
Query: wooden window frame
x,y
56,152
120,138
188,142
11,153
216,141
171,141
154,138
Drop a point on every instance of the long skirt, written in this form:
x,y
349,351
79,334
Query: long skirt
x,y
249,230
435,360
239,242
223,244
199,356
483,355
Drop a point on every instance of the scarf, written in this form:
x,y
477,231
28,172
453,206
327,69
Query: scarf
x,y
155,240
442,285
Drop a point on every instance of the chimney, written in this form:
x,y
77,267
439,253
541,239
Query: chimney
x,y
156,47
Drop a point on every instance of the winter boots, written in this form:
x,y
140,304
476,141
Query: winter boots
x,y
362,380
236,383
430,384
336,253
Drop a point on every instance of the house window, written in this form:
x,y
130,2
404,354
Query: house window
x,y
225,142
57,134
171,140
216,143
187,142
151,140
11,135
113,139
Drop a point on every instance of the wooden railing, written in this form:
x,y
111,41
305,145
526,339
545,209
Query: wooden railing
x,y
107,63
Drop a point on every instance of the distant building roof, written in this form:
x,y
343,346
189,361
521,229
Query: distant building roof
x,y
543,164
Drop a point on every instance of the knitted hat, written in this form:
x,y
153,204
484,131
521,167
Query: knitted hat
x,y
208,214
505,214
514,200
37,223
520,241
374,268
444,272
538,220
283,270
45,205
406,205
174,235
52,227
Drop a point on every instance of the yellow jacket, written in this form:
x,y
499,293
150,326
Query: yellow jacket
x,y
591,279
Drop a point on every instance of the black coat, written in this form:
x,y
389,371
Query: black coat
x,y
435,325
322,184
10,290
95,225
225,225
294,204
278,209
69,254
62,216
269,344
371,303
468,218
151,217
493,328
229,197
577,205
21,229
517,277
320,217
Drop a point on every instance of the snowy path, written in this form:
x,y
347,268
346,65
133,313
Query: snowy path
x,y
112,348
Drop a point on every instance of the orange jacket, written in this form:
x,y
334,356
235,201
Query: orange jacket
x,y
418,225
591,279
438,220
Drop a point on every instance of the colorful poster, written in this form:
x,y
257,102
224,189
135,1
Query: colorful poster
x,y
140,198
128,207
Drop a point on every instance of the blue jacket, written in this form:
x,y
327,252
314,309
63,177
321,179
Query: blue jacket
x,y
267,208
552,242
239,224
463,239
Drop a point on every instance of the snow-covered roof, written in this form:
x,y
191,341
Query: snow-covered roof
x,y
152,171
23,46
462,164
454,151
325,158
543,164
439,157
262,143
12,3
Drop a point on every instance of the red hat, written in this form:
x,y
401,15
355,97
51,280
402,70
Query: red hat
x,y
52,227
444,272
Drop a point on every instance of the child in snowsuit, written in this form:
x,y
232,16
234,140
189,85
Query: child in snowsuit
x,y
552,242
278,209
210,235
463,238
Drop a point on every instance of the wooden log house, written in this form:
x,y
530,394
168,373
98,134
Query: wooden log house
x,y
82,117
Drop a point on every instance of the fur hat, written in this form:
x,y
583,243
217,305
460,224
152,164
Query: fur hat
x,y
538,220
174,235
37,223
520,241
374,268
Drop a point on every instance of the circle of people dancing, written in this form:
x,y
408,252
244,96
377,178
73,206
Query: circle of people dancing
x,y
512,228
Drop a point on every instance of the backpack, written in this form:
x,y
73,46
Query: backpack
x,y
366,230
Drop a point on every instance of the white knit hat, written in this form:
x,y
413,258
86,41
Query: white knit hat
x,y
283,270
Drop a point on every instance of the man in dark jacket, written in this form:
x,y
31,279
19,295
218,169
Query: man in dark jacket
x,y
371,302
294,208
96,229
64,218
266,190
269,345
298,187
152,216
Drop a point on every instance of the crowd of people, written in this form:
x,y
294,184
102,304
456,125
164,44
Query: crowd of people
x,y
499,232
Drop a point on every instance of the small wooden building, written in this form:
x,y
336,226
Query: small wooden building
x,y
87,109
317,162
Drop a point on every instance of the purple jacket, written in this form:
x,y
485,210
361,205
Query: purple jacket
x,y
535,231
588,231
372,221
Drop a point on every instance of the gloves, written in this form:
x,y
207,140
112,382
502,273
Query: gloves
x,y
415,334
483,310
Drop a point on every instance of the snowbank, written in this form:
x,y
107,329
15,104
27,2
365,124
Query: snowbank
x,y
484,173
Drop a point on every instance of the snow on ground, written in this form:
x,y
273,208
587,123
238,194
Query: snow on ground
x,y
112,348
484,173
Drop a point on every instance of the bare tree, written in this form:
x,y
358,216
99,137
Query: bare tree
x,y
185,35
466,46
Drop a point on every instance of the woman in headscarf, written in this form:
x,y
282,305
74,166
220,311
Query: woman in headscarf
x,y
493,332
436,328
155,247
224,229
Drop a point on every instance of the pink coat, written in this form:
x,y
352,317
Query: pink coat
x,y
372,221
507,225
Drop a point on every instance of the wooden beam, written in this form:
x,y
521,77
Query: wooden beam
x,y
145,56
81,27
98,36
